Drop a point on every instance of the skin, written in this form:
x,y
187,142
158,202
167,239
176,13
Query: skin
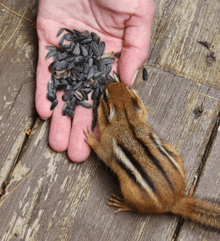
x,y
125,26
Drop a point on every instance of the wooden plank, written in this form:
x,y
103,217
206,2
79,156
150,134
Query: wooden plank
x,y
54,199
208,187
18,48
175,49
13,131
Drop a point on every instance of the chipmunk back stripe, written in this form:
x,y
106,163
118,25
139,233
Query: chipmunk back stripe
x,y
155,162
168,154
150,155
135,169
129,172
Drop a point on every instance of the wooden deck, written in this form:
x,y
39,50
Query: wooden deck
x,y
46,196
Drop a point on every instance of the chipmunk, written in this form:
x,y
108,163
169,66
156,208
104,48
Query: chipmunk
x,y
150,171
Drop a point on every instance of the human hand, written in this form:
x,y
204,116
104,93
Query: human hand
x,y
124,25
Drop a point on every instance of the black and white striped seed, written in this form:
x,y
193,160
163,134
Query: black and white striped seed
x,y
79,68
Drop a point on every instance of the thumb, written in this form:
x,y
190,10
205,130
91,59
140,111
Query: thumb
x,y
136,46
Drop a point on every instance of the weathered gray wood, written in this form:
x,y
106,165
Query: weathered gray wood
x,y
50,198
179,25
208,188
13,131
54,199
18,57
18,52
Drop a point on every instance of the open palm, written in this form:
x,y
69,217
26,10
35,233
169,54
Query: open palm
x,y
124,25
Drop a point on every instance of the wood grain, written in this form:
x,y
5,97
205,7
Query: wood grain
x,y
13,131
175,49
49,197
208,188
18,57
54,199
18,52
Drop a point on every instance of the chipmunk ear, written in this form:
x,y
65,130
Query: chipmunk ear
x,y
136,101
138,105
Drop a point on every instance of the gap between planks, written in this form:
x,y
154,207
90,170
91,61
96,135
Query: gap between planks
x,y
198,174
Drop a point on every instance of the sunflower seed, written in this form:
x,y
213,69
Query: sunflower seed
x,y
95,94
76,50
68,88
70,31
93,34
70,37
86,41
54,104
60,32
61,65
96,75
117,55
62,86
78,95
84,51
51,48
77,69
50,86
90,62
70,59
67,96
102,48
51,53
64,48
100,66
85,104
91,72
86,68
70,65
96,39
68,112
73,102
107,60
79,60
110,78
52,66
79,34
95,118
145,74
62,40
86,33
108,69
51,96
95,48
102,80
74,69
55,81
71,47
116,76
77,85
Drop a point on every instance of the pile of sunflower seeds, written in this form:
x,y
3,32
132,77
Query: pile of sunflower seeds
x,y
79,68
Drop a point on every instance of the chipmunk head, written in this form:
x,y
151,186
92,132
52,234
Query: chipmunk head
x,y
119,102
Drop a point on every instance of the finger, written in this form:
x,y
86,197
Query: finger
x,y
43,77
46,36
78,149
135,51
60,127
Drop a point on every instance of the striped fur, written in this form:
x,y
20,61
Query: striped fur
x,y
151,172
166,153
135,170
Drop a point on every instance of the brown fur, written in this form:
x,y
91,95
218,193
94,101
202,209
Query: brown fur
x,y
122,118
